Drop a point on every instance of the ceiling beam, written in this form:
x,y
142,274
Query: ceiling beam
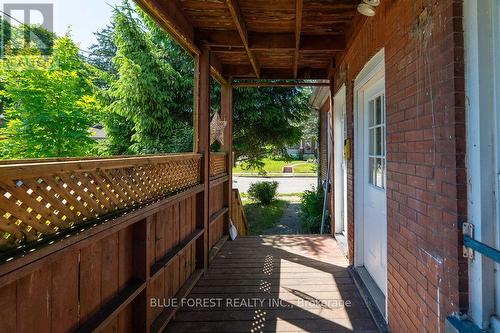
x,y
298,31
171,18
271,41
216,69
235,11
219,38
258,41
322,43
280,84
246,72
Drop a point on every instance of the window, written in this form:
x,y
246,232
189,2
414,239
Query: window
x,y
376,142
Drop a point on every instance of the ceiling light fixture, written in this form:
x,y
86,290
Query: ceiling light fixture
x,y
367,7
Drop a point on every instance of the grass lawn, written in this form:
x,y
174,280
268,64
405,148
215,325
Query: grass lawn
x,y
276,166
261,218
245,196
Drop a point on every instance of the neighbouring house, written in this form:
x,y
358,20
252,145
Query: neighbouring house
x,y
305,150
318,104
98,132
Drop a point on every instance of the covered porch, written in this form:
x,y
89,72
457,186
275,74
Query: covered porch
x,y
99,245
276,284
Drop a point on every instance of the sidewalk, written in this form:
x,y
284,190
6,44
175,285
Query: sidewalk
x,y
274,175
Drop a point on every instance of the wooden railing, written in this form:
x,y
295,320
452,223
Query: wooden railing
x,y
217,165
89,244
40,199
238,214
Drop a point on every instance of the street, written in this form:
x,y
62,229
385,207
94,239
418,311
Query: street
x,y
287,185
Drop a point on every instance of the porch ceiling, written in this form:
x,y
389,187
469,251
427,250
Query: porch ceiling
x,y
249,39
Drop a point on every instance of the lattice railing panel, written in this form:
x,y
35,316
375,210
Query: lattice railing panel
x,y
41,198
217,164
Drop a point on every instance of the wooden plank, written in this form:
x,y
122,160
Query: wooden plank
x,y
171,18
279,84
176,223
33,305
156,290
64,293
299,7
142,259
44,168
314,271
126,320
126,269
8,307
216,248
227,114
160,222
107,315
151,259
182,220
90,280
277,325
235,11
109,275
182,268
227,41
217,215
237,72
175,252
162,321
203,135
219,180
175,274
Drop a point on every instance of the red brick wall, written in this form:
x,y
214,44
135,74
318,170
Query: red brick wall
x,y
426,179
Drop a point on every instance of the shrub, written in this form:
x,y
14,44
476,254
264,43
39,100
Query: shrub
x,y
311,208
264,192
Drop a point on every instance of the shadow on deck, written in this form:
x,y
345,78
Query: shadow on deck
x,y
276,284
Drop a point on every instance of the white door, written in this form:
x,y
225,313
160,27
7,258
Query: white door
x,y
375,200
340,167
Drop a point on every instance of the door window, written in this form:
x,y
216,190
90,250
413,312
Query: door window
x,y
376,142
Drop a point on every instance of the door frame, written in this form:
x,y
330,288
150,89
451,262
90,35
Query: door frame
x,y
482,161
340,98
373,71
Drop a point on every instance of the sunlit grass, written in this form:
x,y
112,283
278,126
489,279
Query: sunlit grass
x,y
276,166
261,217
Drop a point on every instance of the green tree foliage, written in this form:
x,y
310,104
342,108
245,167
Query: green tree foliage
x,y
267,117
23,37
263,192
5,35
311,209
102,53
145,93
172,53
146,86
50,104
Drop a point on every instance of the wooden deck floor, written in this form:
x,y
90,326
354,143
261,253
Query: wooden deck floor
x,y
289,284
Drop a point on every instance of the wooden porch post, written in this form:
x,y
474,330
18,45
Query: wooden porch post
x,y
332,158
202,142
227,115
